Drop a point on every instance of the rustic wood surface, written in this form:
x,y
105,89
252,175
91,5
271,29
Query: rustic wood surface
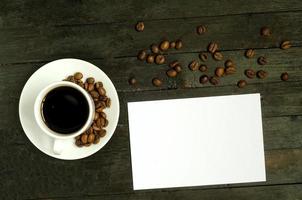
x,y
102,32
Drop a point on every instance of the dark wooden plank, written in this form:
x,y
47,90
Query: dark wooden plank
x,y
16,13
107,172
282,192
120,39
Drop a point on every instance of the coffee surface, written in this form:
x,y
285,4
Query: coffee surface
x,y
65,110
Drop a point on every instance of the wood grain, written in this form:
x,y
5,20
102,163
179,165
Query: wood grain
x,y
42,43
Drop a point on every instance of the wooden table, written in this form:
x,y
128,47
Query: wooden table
x,y
102,32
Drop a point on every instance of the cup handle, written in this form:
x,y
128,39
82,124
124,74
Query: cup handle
x,y
58,146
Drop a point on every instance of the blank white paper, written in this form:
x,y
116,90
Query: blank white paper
x,y
196,141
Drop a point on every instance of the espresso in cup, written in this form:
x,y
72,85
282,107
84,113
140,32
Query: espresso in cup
x,y
65,110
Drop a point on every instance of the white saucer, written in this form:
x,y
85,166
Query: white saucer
x,y
57,71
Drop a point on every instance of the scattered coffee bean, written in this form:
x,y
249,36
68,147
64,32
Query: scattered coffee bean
x,y
250,53
265,31
102,91
203,57
213,46
201,29
285,45
132,81
102,133
194,65
157,82
142,55
219,71
250,73
91,138
84,138
214,80
96,116
171,73
78,143
90,80
230,70
140,26
262,60
150,58
218,56
173,64
203,79
164,45
203,68
90,87
241,83
178,44
94,94
97,139
160,59
98,84
229,63
284,76
172,45
262,74
78,76
177,68
154,48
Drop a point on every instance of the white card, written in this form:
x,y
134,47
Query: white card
x,y
196,141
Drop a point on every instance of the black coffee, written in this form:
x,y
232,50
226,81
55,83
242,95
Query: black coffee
x,y
65,110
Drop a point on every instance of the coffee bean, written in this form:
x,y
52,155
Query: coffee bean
x,y
90,80
103,115
250,53
98,104
70,79
194,65
178,44
106,123
140,26
219,71
102,91
201,29
177,68
100,109
90,87
214,80
78,143
96,140
78,137
203,79
96,128
218,56
84,138
265,31
285,45
212,47
100,122
172,45
94,94
132,81
262,74
150,58
203,57
230,70
96,116
229,63
90,138
98,84
108,102
81,84
250,73
142,55
203,68
90,130
78,75
171,73
284,76
157,82
262,60
102,132
154,48
241,83
173,64
164,45
160,59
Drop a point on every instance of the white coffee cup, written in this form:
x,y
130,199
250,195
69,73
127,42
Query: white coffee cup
x,y
60,140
